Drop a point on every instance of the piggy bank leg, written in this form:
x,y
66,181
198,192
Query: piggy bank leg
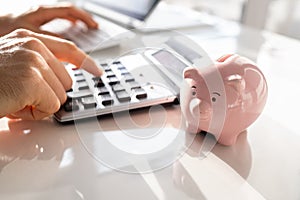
x,y
228,139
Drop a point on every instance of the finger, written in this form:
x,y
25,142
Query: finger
x,y
69,52
56,66
11,116
37,30
65,11
45,103
45,73
37,112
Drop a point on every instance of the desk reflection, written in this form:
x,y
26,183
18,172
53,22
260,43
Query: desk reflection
x,y
51,155
39,140
197,176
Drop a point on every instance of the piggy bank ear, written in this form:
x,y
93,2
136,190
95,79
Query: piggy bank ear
x,y
191,72
235,85
236,82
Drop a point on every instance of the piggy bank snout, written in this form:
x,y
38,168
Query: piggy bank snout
x,y
192,115
197,114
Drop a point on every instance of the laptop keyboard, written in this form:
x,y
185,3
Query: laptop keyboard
x,y
86,38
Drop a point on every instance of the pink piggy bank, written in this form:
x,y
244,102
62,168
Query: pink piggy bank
x,y
244,93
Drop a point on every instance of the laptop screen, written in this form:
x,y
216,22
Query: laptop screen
x,y
138,9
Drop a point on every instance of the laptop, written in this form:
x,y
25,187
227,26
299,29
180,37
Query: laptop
x,y
132,81
117,18
107,13
147,15
128,13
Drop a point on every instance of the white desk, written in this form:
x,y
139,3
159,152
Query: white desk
x,y
46,160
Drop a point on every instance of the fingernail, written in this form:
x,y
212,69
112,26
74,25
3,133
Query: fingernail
x,y
95,25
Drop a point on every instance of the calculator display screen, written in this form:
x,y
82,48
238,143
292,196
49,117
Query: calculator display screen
x,y
171,63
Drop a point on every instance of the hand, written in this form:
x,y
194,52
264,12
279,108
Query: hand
x,y
35,18
33,81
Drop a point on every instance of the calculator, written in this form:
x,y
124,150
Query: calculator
x,y
131,82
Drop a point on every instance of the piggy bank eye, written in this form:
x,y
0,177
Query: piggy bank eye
x,y
214,99
194,90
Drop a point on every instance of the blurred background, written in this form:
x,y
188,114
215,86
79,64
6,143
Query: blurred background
x,y
280,16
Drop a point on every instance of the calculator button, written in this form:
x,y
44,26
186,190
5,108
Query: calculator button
x,y
128,77
70,90
97,78
124,72
110,74
80,94
99,83
70,106
121,67
116,63
134,85
78,73
89,102
140,93
103,90
123,96
117,88
79,78
113,81
106,68
106,99
103,64
83,86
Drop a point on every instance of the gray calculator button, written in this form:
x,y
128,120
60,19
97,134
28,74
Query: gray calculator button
x,y
117,88
140,93
113,81
106,99
83,86
124,72
89,102
99,83
123,96
80,94
116,63
80,78
103,90
78,72
70,106
106,68
86,87
134,85
128,77
110,74
97,78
